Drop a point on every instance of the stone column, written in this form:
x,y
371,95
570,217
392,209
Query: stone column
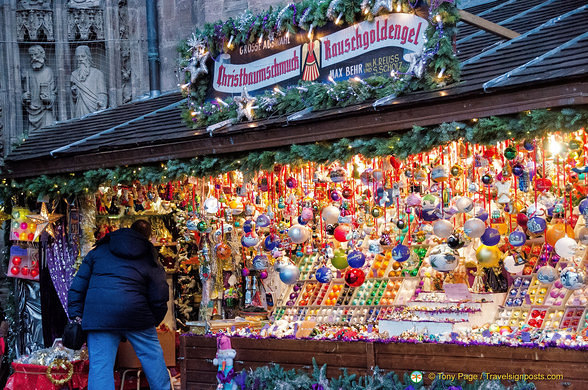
x,y
111,36
138,41
62,61
11,86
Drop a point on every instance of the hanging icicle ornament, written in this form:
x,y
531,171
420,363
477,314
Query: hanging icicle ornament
x,y
331,10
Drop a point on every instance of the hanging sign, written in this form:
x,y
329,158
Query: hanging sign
x,y
369,48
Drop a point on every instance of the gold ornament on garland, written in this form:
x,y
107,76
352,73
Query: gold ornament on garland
x,y
60,363
44,221
245,105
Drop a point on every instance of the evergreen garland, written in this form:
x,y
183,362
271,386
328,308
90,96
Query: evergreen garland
x,y
294,18
275,377
486,131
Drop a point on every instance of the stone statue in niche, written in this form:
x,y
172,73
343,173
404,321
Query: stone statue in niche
x,y
39,91
88,88
83,4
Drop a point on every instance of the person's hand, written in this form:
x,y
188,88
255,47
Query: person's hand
x,y
26,96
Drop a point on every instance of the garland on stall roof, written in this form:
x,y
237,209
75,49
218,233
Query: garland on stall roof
x,y
486,131
440,63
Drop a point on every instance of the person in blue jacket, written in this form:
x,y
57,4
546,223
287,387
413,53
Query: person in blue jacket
x,y
120,292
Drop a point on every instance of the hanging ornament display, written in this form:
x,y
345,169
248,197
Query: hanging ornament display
x,y
490,237
517,238
474,228
573,278
443,228
298,234
354,277
330,214
324,275
566,247
289,274
400,253
339,260
356,259
547,274
443,258
488,256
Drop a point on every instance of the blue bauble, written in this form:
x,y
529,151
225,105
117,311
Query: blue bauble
x,y
583,207
263,220
536,225
481,213
247,226
260,262
517,238
490,237
429,215
356,259
528,145
400,253
270,243
301,221
289,274
324,275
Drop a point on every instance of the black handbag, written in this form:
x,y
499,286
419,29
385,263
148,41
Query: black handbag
x,y
73,336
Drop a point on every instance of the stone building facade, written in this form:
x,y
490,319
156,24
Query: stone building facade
x,y
40,78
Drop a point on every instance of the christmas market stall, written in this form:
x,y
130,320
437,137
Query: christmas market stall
x,y
353,183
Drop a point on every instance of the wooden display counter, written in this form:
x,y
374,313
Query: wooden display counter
x,y
198,372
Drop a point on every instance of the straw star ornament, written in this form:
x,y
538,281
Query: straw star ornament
x,y
44,221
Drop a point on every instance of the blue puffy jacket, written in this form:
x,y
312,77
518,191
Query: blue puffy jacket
x,y
120,285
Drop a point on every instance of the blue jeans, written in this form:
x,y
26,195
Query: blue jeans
x,y
102,347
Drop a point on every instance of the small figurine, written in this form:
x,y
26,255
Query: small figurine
x,y
224,360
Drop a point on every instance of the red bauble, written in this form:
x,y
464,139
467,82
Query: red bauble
x,y
16,260
542,184
15,270
347,193
354,277
24,270
34,272
396,163
572,220
522,220
341,232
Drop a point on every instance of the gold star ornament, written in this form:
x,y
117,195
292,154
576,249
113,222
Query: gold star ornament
x,y
44,221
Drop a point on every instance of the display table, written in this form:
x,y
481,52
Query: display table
x,y
33,377
198,372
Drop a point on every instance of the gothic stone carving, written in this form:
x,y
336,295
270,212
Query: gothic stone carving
x,y
34,25
84,24
34,4
125,51
83,4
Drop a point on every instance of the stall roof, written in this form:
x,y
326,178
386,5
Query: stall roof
x,y
547,58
